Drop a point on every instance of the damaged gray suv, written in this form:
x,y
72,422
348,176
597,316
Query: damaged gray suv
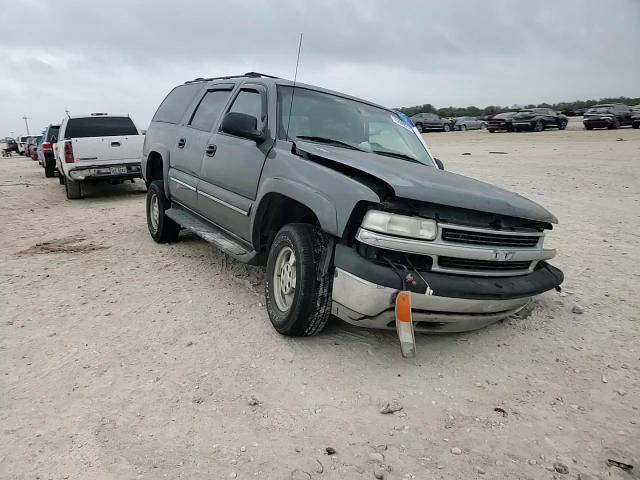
x,y
342,201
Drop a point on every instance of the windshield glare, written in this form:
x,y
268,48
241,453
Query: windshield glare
x,y
599,110
334,120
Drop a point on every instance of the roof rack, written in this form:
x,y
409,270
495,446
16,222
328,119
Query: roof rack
x,y
228,77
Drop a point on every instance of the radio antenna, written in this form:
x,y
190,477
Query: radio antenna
x,y
293,91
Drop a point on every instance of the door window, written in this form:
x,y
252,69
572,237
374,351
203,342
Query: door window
x,y
208,111
250,103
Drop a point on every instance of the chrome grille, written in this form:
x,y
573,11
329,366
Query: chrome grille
x,y
484,238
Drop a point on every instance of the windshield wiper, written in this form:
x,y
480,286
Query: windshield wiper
x,y
329,141
402,156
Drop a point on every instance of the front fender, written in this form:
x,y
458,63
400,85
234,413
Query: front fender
x,y
317,201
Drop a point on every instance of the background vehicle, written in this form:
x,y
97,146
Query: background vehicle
x,y
431,121
467,123
635,116
8,145
21,141
608,116
342,202
46,157
501,122
97,147
537,119
30,147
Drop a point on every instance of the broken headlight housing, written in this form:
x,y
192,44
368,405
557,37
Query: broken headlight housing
x,y
400,225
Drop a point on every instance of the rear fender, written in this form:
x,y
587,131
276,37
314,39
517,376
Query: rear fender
x,y
165,154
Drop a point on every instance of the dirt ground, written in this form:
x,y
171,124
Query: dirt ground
x,y
124,359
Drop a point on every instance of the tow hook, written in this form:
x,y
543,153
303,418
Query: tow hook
x,y
404,324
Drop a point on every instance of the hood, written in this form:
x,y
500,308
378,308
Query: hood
x,y
428,184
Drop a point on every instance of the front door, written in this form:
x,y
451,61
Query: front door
x,y
231,171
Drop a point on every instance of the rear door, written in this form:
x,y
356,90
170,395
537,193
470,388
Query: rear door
x,y
231,169
192,142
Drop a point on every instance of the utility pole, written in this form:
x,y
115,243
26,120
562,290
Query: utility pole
x,y
26,123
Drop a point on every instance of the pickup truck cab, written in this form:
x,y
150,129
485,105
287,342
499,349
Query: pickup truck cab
x,y
343,203
95,148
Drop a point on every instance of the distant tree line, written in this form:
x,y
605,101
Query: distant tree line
x,y
564,107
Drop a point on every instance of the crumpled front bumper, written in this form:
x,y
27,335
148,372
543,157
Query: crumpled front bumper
x,y
364,294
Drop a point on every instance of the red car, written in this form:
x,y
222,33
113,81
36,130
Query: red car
x,y
32,147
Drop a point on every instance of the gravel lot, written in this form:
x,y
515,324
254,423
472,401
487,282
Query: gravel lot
x,y
126,359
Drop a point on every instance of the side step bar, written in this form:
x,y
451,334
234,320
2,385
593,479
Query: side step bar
x,y
211,234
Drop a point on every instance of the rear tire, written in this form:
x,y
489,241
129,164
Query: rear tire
x,y
635,125
446,127
161,227
298,294
463,128
49,171
588,127
72,189
490,130
563,125
419,127
615,124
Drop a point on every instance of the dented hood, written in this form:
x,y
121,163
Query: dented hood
x,y
429,184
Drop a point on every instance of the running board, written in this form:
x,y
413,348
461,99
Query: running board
x,y
211,234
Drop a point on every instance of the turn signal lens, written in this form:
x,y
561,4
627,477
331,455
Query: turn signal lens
x,y
404,324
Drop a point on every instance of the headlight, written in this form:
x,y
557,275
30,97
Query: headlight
x,y
401,225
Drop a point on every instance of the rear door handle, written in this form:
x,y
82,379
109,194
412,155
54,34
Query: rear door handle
x,y
181,143
211,150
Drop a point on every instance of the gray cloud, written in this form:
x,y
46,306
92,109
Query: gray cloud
x,y
124,56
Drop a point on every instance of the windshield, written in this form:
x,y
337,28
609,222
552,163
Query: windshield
x,y
599,110
505,115
329,119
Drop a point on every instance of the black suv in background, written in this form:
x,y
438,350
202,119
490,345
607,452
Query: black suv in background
x,y
612,115
537,119
45,150
431,121
635,116
501,122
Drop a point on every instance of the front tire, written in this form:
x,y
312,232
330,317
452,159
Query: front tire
x,y
463,128
162,228
297,291
72,189
563,125
419,127
446,127
615,124
635,125
538,126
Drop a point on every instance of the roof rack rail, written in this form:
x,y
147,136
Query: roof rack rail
x,y
228,77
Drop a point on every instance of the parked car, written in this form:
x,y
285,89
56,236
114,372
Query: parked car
x,y
501,122
30,146
635,116
33,147
22,141
612,115
97,147
46,157
467,123
538,119
8,145
431,121
342,202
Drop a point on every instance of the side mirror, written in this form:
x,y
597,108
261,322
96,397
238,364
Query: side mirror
x,y
242,125
439,163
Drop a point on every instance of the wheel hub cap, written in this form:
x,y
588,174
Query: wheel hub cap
x,y
284,278
155,212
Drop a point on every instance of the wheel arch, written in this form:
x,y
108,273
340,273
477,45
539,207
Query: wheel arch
x,y
157,167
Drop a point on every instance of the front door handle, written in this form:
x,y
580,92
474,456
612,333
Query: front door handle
x,y
211,150
181,143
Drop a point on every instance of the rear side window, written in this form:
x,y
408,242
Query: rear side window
x,y
100,127
52,132
173,108
208,111
249,102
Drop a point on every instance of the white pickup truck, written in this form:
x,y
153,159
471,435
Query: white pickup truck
x,y
97,147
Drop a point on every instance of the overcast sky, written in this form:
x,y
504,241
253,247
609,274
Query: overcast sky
x,y
125,55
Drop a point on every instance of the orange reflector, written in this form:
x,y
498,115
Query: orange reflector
x,y
403,307
404,324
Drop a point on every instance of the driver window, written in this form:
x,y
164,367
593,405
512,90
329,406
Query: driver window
x,y
250,103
